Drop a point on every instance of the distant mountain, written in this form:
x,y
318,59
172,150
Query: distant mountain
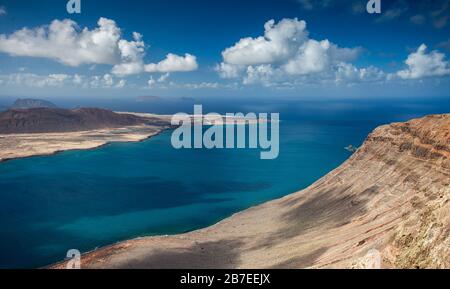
x,y
44,120
148,98
32,103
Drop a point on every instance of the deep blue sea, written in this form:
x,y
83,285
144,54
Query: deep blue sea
x,y
86,199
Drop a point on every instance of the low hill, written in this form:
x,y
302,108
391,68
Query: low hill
x,y
32,103
45,120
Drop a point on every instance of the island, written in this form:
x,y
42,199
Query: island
x,y
43,131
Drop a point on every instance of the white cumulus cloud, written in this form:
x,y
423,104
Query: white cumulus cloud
x,y
65,42
121,83
280,41
202,85
151,82
312,57
128,68
282,53
164,77
174,63
226,70
61,80
259,74
347,72
422,64
35,80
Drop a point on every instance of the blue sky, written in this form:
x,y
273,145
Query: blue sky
x,y
311,49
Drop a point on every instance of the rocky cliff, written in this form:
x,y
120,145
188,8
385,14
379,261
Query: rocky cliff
x,y
390,201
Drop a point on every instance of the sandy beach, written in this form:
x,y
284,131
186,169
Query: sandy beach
x,y
37,144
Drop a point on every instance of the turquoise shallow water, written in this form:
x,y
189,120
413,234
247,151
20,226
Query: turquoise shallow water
x,y
86,199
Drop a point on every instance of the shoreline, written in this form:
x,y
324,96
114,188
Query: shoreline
x,y
4,160
105,248
24,145
381,194
17,146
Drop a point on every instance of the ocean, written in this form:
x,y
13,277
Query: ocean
x,y
87,199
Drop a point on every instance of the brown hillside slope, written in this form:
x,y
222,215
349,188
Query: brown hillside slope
x,y
47,120
392,195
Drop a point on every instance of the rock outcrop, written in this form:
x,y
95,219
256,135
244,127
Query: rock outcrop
x,y
389,204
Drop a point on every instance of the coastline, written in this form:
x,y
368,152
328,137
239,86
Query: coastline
x,y
84,140
15,146
383,193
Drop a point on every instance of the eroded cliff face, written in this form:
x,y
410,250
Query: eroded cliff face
x,y
392,197
417,155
